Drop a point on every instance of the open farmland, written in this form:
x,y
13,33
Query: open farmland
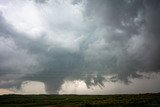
x,y
127,100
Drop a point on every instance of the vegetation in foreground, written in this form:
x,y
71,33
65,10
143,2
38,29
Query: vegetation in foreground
x,y
128,100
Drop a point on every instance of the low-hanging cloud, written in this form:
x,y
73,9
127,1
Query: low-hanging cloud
x,y
53,41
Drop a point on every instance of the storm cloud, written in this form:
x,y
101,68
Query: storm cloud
x,y
56,40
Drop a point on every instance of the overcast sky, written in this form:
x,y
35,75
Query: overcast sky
x,y
79,46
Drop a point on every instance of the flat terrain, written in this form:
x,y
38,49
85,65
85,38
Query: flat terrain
x,y
128,100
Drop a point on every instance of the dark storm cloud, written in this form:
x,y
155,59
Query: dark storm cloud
x,y
122,39
128,22
53,65
14,62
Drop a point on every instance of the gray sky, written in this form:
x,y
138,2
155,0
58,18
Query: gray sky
x,y
95,43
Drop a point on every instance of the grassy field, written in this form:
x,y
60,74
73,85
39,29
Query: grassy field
x,y
129,100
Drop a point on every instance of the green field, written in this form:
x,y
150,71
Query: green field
x,y
128,100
